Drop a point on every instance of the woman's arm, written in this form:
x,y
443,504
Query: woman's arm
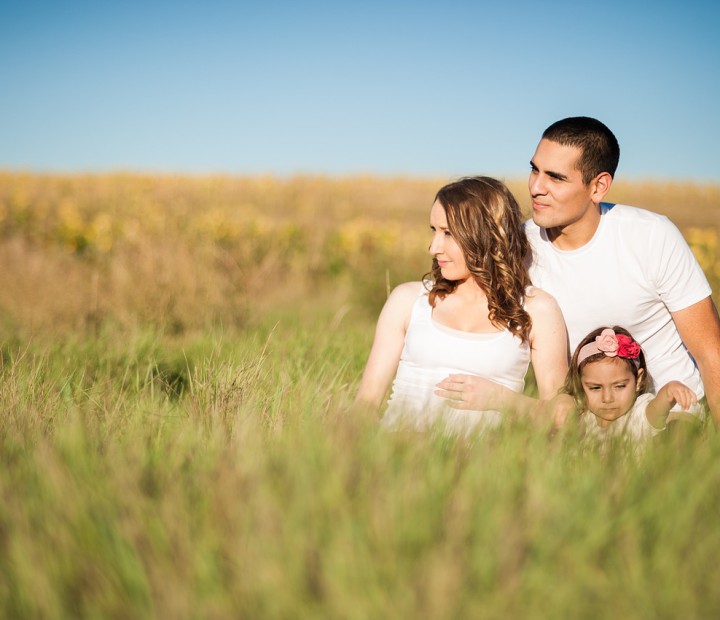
x,y
388,344
549,343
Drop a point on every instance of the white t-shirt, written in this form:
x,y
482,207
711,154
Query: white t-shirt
x,y
634,272
432,351
633,426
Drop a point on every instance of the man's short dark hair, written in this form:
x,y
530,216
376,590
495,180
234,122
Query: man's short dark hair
x,y
599,147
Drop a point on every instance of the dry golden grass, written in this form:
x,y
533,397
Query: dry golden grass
x,y
189,252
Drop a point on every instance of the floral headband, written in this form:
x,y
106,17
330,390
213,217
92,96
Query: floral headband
x,y
612,345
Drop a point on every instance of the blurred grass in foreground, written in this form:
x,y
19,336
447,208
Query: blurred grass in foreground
x,y
177,360
253,493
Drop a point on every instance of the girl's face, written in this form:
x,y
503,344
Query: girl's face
x,y
444,248
610,389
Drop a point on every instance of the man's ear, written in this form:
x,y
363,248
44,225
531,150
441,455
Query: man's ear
x,y
601,186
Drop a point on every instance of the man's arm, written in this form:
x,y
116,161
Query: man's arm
x,y
699,329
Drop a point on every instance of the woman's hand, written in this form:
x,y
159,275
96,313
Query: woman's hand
x,y
472,392
561,408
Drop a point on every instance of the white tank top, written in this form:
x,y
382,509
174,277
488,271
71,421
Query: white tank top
x,y
433,351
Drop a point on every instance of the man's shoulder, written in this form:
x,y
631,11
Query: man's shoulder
x,y
637,227
619,221
626,213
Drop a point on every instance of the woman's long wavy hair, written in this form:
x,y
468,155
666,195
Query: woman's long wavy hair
x,y
485,220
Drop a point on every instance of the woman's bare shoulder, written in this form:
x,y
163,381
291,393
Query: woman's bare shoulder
x,y
539,301
406,293
399,304
408,288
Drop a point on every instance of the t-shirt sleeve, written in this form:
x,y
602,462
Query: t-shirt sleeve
x,y
641,425
677,275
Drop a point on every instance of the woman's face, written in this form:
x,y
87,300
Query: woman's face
x,y
444,248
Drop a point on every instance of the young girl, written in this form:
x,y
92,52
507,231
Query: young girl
x,y
475,314
608,380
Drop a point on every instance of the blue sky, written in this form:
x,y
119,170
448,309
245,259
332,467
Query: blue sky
x,y
414,88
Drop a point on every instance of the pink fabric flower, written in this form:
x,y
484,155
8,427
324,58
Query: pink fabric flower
x,y
612,345
607,342
627,347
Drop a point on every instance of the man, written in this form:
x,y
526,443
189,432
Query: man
x,y
612,265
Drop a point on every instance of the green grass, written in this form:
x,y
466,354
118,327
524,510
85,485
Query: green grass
x,y
224,476
178,357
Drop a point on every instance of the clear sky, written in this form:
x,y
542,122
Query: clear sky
x,y
417,88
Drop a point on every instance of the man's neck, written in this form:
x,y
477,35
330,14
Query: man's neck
x,y
576,235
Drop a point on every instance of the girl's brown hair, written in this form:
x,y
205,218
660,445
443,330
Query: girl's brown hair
x,y
485,220
573,380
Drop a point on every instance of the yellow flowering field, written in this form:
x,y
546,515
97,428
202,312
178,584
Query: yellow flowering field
x,y
78,250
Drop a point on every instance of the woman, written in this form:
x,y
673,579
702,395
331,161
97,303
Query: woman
x,y
475,313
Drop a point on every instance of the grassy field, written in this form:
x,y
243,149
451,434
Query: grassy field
x,y
177,361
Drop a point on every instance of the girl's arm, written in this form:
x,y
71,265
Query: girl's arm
x,y
388,345
668,396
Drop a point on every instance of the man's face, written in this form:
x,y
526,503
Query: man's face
x,y
559,196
